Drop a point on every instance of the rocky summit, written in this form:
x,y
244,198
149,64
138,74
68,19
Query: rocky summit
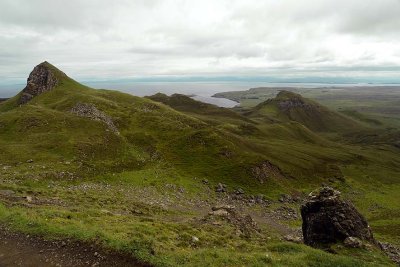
x,y
328,219
40,80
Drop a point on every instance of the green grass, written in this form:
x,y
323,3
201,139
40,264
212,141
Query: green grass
x,y
140,191
167,243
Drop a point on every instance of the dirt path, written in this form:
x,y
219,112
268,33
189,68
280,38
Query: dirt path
x,y
18,249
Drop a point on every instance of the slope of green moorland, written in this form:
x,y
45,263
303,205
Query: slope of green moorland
x,y
146,189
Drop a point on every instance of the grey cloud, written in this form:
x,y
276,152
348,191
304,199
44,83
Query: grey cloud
x,y
125,38
378,18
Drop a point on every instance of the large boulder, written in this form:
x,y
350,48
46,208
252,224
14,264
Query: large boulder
x,y
328,219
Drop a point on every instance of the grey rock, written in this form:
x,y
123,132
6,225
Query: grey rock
x,y
293,239
220,212
328,219
353,242
220,188
91,112
391,251
244,223
7,192
265,170
42,79
239,191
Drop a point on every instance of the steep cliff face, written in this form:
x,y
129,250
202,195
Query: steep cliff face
x,y
43,78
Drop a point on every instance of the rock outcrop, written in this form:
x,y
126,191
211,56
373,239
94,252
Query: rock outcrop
x,y
265,170
296,102
91,112
244,224
42,79
328,219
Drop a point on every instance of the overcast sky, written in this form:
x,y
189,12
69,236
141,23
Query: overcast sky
x,y
100,39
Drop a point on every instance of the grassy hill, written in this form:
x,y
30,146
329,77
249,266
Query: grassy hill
x,y
289,106
138,174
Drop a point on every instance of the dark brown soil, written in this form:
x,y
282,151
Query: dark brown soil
x,y
17,249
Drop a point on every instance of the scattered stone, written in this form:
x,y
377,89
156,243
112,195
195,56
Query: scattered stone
x,y
328,219
205,181
249,200
29,199
259,199
29,161
7,192
219,213
220,188
263,171
91,112
285,198
285,213
294,239
223,207
391,251
239,191
244,224
195,239
353,242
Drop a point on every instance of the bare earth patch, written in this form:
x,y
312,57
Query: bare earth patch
x,y
17,249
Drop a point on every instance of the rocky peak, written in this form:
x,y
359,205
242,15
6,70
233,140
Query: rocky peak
x,y
288,100
44,77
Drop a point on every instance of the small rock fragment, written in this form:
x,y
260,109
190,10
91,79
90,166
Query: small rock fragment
x,y
353,242
220,188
